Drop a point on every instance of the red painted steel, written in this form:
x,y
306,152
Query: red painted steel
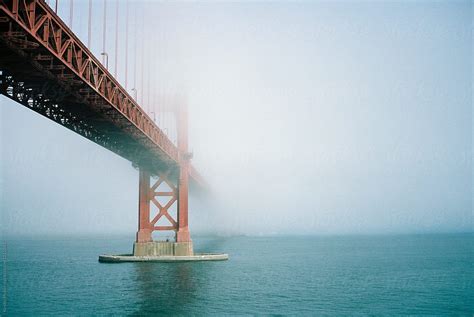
x,y
36,18
177,194
31,32
148,195
46,68
182,235
144,228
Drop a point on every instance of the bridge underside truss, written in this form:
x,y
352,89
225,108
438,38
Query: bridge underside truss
x,y
44,100
46,68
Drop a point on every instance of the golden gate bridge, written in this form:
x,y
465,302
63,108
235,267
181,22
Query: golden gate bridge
x,y
45,67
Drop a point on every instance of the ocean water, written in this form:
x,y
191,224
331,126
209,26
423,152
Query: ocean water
x,y
341,275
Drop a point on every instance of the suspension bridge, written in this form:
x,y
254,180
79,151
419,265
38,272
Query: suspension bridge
x,y
45,67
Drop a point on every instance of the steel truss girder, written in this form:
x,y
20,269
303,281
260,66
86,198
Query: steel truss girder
x,y
31,29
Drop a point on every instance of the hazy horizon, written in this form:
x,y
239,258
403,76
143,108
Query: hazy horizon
x,y
306,118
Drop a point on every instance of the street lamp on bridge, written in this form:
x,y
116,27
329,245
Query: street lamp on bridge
x,y
106,59
135,92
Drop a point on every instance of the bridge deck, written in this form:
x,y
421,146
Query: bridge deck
x,y
46,68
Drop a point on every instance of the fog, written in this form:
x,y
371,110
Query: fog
x,y
305,118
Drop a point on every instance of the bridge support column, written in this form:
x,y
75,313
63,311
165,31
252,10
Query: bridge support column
x,y
182,235
183,246
144,226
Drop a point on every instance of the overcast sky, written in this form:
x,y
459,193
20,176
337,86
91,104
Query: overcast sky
x,y
305,118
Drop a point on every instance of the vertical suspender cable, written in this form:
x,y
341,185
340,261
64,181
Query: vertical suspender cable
x,y
135,42
142,46
148,68
146,47
89,28
126,45
153,75
104,31
160,50
116,37
71,12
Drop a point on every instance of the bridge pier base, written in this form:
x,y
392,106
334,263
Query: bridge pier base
x,y
163,248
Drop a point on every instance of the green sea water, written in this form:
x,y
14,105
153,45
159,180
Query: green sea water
x,y
339,275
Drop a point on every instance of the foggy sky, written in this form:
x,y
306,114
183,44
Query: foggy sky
x,y
305,118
